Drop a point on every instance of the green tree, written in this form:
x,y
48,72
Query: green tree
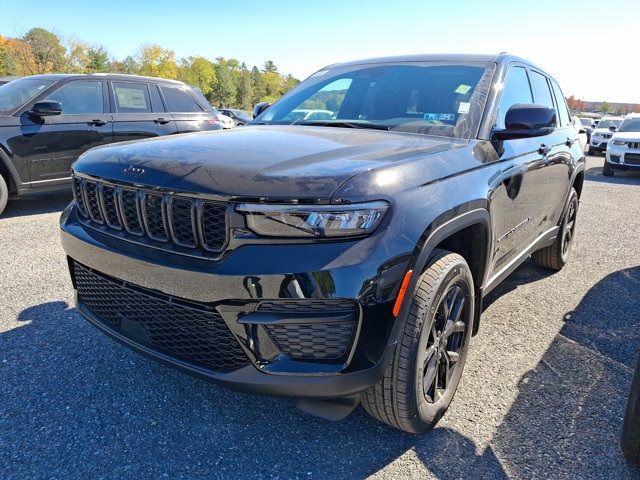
x,y
258,86
98,59
156,61
224,88
199,72
605,107
129,66
269,67
48,52
245,94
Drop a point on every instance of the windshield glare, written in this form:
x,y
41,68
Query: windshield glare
x,y
630,125
428,98
609,123
15,94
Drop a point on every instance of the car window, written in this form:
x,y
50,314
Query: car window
x,y
563,110
516,90
631,124
18,92
80,98
541,90
178,100
131,97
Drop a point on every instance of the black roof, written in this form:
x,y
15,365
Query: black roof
x,y
109,76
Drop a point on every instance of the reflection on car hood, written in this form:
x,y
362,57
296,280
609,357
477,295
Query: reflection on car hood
x,y
631,136
259,161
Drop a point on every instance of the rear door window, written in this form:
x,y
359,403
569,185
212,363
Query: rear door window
x,y
80,98
178,100
516,90
131,97
541,89
563,110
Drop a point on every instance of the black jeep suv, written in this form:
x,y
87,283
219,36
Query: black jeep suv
x,y
335,261
47,121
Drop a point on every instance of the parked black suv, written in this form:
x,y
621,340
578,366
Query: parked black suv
x,y
47,121
335,261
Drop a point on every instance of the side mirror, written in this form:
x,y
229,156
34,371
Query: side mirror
x,y
259,108
613,128
46,108
582,130
526,120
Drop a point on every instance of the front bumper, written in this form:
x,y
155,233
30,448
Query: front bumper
x,y
367,272
623,159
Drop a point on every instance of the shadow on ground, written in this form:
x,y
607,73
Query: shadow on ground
x,y
35,204
594,174
75,404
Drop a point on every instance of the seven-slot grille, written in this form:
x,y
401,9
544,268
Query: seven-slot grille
x,y
166,218
633,144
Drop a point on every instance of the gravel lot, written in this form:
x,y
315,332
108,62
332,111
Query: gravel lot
x,y
542,396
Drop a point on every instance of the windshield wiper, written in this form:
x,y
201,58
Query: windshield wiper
x,y
343,124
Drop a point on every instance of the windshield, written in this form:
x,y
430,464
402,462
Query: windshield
x,y
609,123
18,92
630,125
587,122
428,98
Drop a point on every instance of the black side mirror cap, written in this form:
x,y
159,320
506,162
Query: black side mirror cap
x,y
582,130
46,108
260,107
613,128
525,120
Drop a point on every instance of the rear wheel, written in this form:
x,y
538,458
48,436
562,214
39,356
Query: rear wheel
x,y
4,194
423,374
555,256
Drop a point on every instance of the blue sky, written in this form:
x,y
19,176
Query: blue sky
x,y
591,47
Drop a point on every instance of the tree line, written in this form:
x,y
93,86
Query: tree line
x,y
224,82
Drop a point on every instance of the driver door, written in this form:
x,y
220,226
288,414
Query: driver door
x,y
53,143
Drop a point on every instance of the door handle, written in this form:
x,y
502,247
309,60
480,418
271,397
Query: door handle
x,y
543,150
97,122
161,121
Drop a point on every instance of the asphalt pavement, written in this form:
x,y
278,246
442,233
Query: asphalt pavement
x,y
542,396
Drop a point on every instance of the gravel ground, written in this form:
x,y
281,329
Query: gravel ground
x,y
542,396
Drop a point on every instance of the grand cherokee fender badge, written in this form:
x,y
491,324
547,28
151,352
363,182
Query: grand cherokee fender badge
x,y
134,171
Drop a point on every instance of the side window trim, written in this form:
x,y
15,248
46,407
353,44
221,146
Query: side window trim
x,y
504,81
561,103
158,105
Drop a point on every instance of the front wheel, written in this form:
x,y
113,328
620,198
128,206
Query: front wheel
x,y
607,171
423,374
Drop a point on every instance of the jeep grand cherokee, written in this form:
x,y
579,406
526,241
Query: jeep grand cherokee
x,y
336,261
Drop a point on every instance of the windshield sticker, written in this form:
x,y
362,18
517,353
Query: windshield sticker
x,y
462,89
443,117
464,107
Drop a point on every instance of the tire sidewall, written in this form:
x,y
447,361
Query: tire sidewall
x,y
430,413
573,197
4,194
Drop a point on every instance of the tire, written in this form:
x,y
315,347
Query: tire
x,y
630,440
555,256
4,194
607,171
444,291
591,151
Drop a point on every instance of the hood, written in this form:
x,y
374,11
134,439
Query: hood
x,y
292,162
629,136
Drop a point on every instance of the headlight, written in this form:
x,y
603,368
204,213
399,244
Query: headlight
x,y
619,142
313,220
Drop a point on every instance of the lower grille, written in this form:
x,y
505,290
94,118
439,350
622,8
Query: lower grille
x,y
312,341
632,158
186,331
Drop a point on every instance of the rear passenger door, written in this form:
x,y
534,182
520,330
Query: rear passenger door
x,y
189,115
138,111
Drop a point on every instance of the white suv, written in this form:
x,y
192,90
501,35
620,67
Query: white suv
x,y
623,150
602,133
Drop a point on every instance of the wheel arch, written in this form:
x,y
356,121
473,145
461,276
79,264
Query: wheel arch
x,y
8,172
468,234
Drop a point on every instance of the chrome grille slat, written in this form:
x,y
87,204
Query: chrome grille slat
x,y
167,220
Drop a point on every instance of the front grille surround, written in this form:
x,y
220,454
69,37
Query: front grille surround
x,y
166,219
